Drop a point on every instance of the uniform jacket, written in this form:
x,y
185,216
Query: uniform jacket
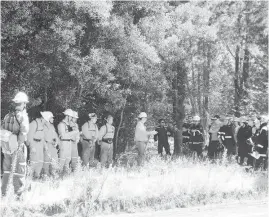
x,y
196,133
262,139
161,136
141,134
17,123
243,134
226,132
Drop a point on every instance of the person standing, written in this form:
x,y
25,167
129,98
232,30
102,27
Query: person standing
x,y
227,137
142,136
214,146
106,136
66,135
36,141
186,138
244,133
17,123
162,138
261,145
88,139
51,140
197,136
74,141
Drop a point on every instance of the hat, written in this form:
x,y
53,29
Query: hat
x,y
196,118
236,119
68,112
47,115
75,114
20,98
264,118
215,117
92,115
243,119
142,115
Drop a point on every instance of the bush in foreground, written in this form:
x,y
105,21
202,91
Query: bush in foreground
x,y
157,185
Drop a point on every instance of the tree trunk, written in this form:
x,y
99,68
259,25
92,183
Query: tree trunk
x,y
199,98
45,99
118,130
237,79
178,104
206,76
237,83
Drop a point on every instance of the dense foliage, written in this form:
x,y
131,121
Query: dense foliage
x,y
170,59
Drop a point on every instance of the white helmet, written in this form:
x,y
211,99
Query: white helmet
x,y
68,112
264,118
142,115
47,115
20,98
75,114
196,118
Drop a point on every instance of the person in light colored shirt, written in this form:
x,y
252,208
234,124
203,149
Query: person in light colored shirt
x,y
142,136
88,138
106,136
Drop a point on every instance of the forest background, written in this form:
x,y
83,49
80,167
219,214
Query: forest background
x,y
171,59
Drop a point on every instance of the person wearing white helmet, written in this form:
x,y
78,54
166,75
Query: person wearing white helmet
x,y
51,142
75,140
17,123
142,136
66,135
106,136
36,141
88,138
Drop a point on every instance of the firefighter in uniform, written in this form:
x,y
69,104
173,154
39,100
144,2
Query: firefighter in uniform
x,y
244,133
260,150
142,136
17,125
75,140
106,136
66,135
197,136
227,137
162,137
88,138
36,141
51,141
214,147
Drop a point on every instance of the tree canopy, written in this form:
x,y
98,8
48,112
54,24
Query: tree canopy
x,y
169,59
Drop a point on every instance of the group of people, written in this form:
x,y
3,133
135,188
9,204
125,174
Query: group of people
x,y
245,138
50,149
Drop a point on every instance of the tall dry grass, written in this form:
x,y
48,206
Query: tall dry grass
x,y
159,184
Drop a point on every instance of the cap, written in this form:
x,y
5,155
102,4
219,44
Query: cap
x,y
92,115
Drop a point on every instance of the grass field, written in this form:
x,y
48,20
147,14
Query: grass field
x,y
159,184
